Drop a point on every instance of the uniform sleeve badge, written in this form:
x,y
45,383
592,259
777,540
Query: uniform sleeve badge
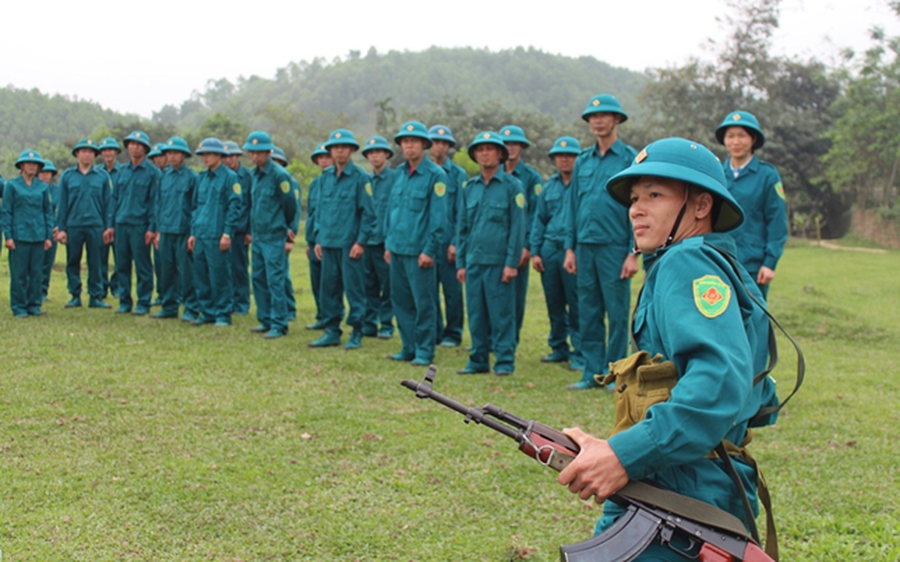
x,y
520,200
779,189
538,188
369,188
711,295
440,188
285,187
463,186
237,188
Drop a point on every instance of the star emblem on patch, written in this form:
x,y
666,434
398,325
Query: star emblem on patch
x,y
409,127
254,141
337,135
736,117
596,103
440,131
563,144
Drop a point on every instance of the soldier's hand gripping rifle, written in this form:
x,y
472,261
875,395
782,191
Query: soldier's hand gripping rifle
x,y
652,514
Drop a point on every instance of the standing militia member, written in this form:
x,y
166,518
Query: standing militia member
x,y
449,333
345,220
47,173
322,159
240,250
134,218
158,157
491,237
706,337
414,227
280,158
27,222
175,284
216,211
85,195
271,216
109,153
515,141
379,318
548,237
757,188
599,242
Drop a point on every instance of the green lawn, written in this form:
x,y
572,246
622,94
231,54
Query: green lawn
x,y
132,438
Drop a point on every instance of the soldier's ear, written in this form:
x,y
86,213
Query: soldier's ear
x,y
702,204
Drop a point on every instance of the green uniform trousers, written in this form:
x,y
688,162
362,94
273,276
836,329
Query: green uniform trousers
x,y
176,275
521,283
240,273
492,323
341,275
49,260
315,279
289,298
88,240
130,248
561,294
26,263
379,312
212,281
602,295
108,275
413,296
452,328
269,262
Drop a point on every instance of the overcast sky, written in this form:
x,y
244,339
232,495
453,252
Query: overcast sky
x,y
138,56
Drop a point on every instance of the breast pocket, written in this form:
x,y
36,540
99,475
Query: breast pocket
x,y
553,202
416,201
498,212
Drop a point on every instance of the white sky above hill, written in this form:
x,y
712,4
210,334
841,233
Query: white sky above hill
x,y
138,56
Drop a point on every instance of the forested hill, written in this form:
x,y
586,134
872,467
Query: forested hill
x,y
519,79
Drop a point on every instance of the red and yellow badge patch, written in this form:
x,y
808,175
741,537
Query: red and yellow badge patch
x,y
440,189
236,188
369,188
711,295
520,200
779,189
285,187
538,188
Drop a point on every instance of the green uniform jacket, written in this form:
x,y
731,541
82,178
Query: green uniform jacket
x,y
216,203
135,195
594,217
694,311
311,201
84,199
26,214
550,214
532,183
381,196
417,217
456,181
53,192
273,205
297,192
246,181
491,222
176,196
344,211
761,237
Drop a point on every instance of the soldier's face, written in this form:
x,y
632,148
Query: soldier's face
x,y
260,158
29,168
738,142
341,153
324,161
413,148
161,161
515,150
564,162
233,161
487,156
603,124
136,150
175,158
655,204
377,158
45,176
109,156
440,148
85,156
212,161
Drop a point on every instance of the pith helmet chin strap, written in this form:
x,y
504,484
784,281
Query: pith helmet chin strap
x,y
675,226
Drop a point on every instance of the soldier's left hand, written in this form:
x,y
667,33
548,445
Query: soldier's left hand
x,y
356,251
629,267
765,276
509,273
425,262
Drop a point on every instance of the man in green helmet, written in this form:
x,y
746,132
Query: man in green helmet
x,y
240,250
379,318
109,155
321,158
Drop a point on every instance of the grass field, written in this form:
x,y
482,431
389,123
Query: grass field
x,y
138,439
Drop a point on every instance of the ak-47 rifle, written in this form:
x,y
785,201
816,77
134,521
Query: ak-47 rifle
x,y
651,513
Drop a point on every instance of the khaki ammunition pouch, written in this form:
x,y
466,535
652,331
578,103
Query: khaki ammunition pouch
x,y
641,381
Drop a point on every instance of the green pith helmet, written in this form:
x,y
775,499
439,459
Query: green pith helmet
x,y
156,151
211,145
514,133
176,144
279,156
377,143
86,143
340,137
319,151
233,148
442,132
683,160
49,167
743,119
30,156
139,137
258,141
604,103
109,142
565,145
415,129
488,137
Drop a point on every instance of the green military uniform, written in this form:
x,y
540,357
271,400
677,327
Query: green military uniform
x,y
694,311
110,281
758,190
176,267
344,216
491,234
50,255
532,183
600,235
315,264
216,210
414,225
379,317
83,214
279,156
26,218
449,332
548,237
240,250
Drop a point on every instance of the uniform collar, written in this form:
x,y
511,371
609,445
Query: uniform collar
x,y
617,148
267,169
383,173
349,170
